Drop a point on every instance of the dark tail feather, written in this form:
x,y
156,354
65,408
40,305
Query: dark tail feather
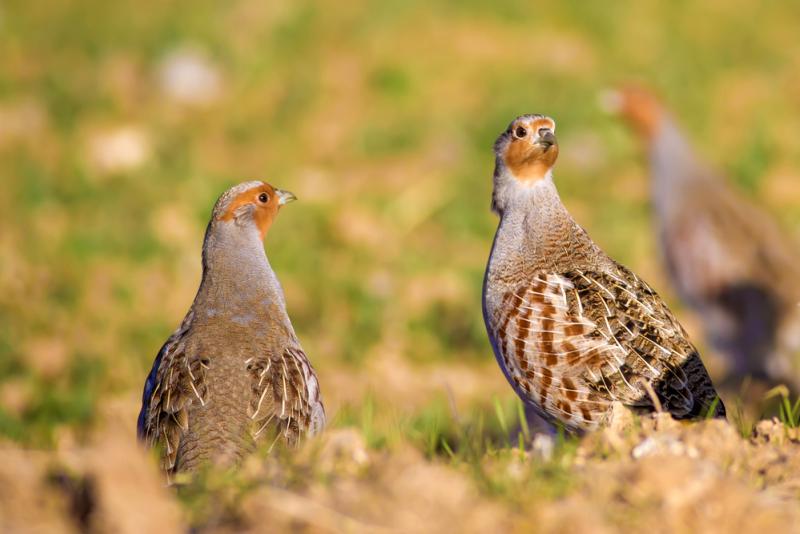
x,y
755,315
687,393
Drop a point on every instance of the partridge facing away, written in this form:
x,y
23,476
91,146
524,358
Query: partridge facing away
x,y
727,258
573,330
233,374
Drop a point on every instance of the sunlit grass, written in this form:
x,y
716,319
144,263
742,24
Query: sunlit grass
x,y
788,410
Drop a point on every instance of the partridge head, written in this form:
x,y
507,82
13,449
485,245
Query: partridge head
x,y
640,108
525,154
251,206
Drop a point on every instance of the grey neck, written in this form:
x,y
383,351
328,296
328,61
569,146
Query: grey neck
x,y
676,172
530,211
536,231
237,278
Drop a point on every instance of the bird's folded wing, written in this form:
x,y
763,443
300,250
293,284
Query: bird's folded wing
x,y
285,399
578,340
179,382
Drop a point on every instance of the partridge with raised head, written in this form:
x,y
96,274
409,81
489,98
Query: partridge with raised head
x,y
573,330
233,374
727,258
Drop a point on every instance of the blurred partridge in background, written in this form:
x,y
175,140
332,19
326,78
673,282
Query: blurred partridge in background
x,y
572,330
728,259
233,374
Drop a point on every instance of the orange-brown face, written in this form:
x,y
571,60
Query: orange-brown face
x,y
266,201
640,108
533,149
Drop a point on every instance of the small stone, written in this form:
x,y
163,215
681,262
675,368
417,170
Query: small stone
x,y
543,446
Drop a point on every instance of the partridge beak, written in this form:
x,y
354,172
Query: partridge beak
x,y
284,197
546,138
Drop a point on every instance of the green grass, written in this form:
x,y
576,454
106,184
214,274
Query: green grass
x,y
788,410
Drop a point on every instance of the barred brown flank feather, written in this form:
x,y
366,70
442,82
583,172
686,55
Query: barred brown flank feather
x,y
522,329
573,330
603,353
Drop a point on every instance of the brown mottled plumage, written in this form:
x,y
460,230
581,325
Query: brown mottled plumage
x,y
233,373
727,257
572,329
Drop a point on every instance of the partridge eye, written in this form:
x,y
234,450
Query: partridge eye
x,y
520,132
263,198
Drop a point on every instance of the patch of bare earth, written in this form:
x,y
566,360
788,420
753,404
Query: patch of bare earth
x,y
668,476
653,474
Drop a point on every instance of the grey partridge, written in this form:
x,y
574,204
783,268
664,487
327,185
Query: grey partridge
x,y
233,374
574,331
727,258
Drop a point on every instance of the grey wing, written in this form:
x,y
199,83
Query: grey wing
x,y
285,399
656,356
177,381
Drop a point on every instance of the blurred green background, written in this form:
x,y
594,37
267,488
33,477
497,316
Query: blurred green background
x,y
121,122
